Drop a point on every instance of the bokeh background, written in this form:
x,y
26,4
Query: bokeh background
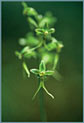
x,y
17,91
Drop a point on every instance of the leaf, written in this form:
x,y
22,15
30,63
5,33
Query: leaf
x,y
48,72
26,69
32,21
42,66
35,71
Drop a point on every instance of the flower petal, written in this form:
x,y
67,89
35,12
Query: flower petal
x,y
52,30
42,66
35,71
49,72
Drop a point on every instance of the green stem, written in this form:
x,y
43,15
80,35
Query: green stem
x,y
39,45
43,116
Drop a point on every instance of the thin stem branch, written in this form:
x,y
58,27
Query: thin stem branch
x,y
48,92
36,92
43,116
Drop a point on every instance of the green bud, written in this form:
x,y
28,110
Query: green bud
x,y
28,10
32,21
39,17
46,57
22,41
59,46
32,11
25,11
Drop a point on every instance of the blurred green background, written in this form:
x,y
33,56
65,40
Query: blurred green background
x,y
17,91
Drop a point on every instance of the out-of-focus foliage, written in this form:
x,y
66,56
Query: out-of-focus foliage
x,y
29,40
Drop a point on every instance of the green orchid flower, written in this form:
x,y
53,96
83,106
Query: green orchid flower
x,y
26,52
42,73
43,31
